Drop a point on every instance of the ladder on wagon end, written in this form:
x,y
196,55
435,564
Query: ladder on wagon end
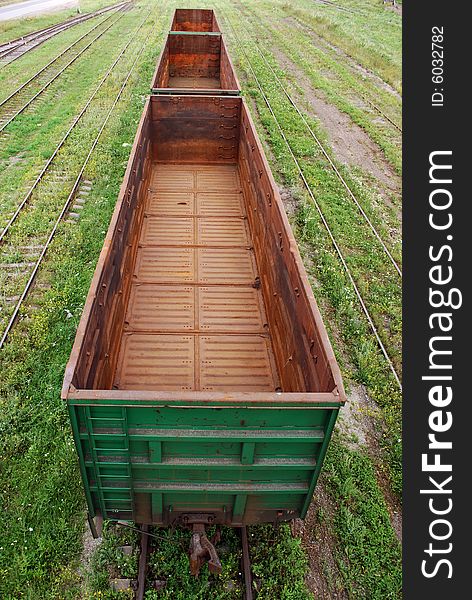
x,y
111,464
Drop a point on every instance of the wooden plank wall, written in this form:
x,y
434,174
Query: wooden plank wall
x,y
195,129
299,341
99,350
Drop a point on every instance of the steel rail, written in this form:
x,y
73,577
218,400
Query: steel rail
x,y
43,35
64,139
59,73
381,112
320,212
363,96
246,560
57,57
332,165
32,35
67,203
340,7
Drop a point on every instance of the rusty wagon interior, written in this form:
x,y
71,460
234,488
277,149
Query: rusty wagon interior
x,y
194,20
195,62
200,285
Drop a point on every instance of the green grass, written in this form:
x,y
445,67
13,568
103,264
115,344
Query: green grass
x,y
110,561
15,74
376,46
42,520
39,477
333,75
15,28
278,562
369,557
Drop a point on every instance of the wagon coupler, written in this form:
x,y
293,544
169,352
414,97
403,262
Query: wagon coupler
x,y
202,550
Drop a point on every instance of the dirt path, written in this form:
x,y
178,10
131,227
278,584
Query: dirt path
x,y
350,143
317,540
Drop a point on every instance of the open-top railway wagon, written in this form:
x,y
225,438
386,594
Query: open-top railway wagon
x,y
186,19
201,378
195,63
202,387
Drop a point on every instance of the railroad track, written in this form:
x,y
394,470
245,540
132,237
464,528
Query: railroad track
x,y
339,7
12,50
331,164
363,95
21,98
382,113
24,255
316,204
146,535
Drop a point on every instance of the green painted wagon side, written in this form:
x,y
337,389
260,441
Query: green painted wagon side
x,y
149,462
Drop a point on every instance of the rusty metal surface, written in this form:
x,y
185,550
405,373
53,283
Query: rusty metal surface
x,y
194,20
195,61
195,320
194,82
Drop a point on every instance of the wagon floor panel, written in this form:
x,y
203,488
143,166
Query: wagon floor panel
x,y
205,83
195,318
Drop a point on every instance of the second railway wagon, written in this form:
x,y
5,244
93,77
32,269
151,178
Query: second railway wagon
x,y
197,19
202,384
195,63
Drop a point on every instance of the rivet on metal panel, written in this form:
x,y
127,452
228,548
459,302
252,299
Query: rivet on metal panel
x,y
313,356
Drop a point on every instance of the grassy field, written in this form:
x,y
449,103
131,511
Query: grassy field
x,y
322,55
15,28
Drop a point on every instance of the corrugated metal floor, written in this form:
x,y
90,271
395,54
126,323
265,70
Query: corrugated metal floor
x,y
194,320
194,82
